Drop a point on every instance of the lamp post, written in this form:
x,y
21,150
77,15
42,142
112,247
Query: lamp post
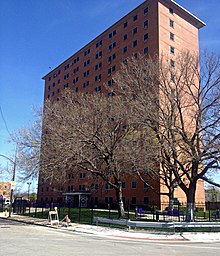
x,y
14,162
29,183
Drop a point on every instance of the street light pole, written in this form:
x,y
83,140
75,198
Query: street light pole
x,y
14,162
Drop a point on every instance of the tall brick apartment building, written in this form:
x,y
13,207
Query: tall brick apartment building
x,y
154,27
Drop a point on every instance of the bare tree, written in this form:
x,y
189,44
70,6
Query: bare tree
x,y
28,141
179,101
96,134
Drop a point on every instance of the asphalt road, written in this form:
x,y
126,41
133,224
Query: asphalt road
x,y
20,239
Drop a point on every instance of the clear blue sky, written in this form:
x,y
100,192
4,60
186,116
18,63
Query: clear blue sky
x,y
38,34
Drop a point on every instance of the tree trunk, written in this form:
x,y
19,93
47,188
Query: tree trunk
x,y
190,207
171,199
121,211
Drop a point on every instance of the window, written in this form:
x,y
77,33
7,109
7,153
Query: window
x,y
135,18
87,52
133,184
110,82
75,90
85,84
82,175
86,63
123,185
58,81
98,77
171,23
54,84
172,78
70,188
113,33
66,76
99,43
98,66
146,200
133,200
98,88
172,36
86,73
134,43
125,49
125,24
98,55
125,37
66,67
65,86
146,50
111,70
111,58
107,186
75,70
145,186
145,10
82,187
135,30
111,94
111,46
109,200
75,60
94,186
146,24
48,88
49,78
172,50
172,63
171,10
146,37
58,90
75,80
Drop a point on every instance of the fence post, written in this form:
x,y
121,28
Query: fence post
x,y
35,213
209,211
79,210
153,212
128,210
92,212
178,211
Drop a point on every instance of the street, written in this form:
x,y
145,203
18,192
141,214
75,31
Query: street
x,y
24,240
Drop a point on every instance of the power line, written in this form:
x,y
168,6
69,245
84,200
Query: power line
x,y
5,123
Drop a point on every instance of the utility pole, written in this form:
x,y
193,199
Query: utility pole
x,y
14,162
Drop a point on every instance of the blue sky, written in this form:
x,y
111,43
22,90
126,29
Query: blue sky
x,y
38,34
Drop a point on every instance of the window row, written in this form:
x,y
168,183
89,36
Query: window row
x,y
96,186
110,59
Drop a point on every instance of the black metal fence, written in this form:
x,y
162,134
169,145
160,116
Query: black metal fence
x,y
207,212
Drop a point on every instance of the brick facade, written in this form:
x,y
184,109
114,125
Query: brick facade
x,y
154,27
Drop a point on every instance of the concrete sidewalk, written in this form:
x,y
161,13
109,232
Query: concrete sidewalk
x,y
117,233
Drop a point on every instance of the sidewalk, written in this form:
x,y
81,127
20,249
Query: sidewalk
x,y
119,233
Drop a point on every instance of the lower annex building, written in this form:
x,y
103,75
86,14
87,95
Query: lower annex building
x,y
153,27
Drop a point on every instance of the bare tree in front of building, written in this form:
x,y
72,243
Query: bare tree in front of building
x,y
95,134
178,100
28,144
